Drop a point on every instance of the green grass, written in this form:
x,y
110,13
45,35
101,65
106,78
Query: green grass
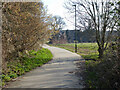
x,y
86,50
90,46
19,66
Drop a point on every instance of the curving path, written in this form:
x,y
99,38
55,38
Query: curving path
x,y
58,73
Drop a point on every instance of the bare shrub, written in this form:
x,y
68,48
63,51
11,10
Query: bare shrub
x,y
25,27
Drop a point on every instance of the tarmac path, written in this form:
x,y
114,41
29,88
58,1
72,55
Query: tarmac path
x,y
57,73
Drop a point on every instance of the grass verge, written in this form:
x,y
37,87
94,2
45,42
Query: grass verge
x,y
24,64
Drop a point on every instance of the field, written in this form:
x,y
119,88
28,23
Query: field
x,y
87,50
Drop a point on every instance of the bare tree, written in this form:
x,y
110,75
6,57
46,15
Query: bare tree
x,y
99,12
59,22
117,11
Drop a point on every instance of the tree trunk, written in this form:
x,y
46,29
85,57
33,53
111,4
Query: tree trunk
x,y
101,51
118,45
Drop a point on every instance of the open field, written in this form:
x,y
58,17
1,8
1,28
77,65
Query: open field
x,y
86,50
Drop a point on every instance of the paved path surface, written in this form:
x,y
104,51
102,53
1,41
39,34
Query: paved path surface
x,y
58,73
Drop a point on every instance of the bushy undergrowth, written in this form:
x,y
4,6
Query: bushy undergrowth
x,y
26,63
104,73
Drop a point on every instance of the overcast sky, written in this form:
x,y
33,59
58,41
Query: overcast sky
x,y
55,7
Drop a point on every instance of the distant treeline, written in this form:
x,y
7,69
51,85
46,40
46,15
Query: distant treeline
x,y
68,36
81,36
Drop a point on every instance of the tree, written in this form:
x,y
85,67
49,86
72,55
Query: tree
x,y
117,11
58,24
98,11
25,26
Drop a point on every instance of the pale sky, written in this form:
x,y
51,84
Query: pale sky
x,y
55,7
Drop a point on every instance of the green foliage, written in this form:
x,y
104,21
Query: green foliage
x,y
6,78
93,56
26,63
13,75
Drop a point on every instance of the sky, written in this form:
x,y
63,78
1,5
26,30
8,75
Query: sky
x,y
55,7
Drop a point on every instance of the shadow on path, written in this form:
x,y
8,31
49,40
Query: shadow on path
x,y
61,72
